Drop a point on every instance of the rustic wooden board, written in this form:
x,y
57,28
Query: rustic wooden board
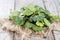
x,y
52,5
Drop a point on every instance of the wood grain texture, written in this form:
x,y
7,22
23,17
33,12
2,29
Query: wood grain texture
x,y
51,6
5,6
57,35
21,3
57,4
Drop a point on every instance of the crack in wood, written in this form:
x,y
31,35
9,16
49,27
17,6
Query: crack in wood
x,y
44,4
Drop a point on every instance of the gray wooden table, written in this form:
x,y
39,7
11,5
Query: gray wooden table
x,y
52,5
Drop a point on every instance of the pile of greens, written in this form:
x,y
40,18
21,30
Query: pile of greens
x,y
33,17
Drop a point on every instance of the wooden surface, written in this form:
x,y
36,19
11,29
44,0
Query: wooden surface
x,y
52,5
5,6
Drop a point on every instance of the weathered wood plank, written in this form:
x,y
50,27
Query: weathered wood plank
x,y
57,35
50,5
5,6
57,4
57,31
20,3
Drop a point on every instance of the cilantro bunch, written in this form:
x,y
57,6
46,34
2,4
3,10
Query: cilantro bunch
x,y
33,17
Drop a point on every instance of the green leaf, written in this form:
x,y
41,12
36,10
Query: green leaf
x,y
36,28
37,18
27,12
31,7
18,20
56,17
39,24
47,23
28,24
14,13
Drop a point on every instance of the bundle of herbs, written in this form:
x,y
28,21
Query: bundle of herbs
x,y
33,17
